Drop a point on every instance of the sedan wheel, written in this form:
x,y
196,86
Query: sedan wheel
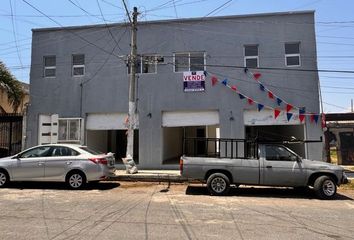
x,y
3,179
76,180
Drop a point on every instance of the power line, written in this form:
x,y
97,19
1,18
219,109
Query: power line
x,y
127,11
14,33
222,5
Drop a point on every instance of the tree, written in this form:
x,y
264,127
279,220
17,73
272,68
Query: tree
x,y
11,86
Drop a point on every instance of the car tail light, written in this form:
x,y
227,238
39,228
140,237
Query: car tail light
x,y
181,165
99,161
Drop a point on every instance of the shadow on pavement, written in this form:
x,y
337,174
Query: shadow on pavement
x,y
264,192
61,186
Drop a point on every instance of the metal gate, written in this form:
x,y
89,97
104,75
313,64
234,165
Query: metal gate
x,y
10,134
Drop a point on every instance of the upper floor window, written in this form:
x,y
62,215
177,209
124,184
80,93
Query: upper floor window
x,y
251,56
194,61
292,54
49,66
145,64
78,67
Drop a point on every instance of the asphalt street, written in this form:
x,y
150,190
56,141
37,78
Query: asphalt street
x,y
127,210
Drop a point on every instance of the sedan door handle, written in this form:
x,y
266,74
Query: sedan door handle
x,y
68,163
268,166
40,163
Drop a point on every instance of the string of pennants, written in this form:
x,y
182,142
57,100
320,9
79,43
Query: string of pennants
x,y
289,108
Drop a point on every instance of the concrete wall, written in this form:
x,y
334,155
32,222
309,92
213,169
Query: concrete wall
x,y
105,87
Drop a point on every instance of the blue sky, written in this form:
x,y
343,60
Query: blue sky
x,y
334,30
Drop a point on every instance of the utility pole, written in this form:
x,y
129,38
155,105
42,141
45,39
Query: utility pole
x,y
129,161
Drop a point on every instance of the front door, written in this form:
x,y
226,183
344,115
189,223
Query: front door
x,y
30,164
282,167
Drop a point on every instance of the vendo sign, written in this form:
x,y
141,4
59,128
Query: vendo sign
x,y
193,81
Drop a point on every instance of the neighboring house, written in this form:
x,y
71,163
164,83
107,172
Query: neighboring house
x,y
340,138
6,107
79,92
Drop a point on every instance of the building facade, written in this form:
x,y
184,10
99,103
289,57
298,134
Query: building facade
x,y
79,84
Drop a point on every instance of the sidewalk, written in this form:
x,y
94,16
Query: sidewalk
x,y
149,176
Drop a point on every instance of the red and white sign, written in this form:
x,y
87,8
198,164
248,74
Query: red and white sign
x,y
193,81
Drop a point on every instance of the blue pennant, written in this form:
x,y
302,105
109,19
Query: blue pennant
x,y
288,116
241,96
315,117
261,86
302,110
279,101
260,107
224,82
245,70
205,73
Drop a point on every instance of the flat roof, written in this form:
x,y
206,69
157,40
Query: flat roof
x,y
177,20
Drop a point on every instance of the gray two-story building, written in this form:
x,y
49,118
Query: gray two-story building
x,y
196,78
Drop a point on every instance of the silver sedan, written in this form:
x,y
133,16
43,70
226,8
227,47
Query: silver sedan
x,y
74,164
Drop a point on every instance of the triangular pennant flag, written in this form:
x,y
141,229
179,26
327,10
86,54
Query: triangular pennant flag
x,y
256,76
276,113
214,80
261,87
302,114
260,107
205,73
234,88
288,116
241,96
314,117
224,82
279,101
250,101
323,120
288,107
245,70
270,95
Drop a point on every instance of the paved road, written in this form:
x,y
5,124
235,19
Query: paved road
x,y
151,211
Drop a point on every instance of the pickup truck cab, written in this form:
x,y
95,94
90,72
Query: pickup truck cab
x,y
272,165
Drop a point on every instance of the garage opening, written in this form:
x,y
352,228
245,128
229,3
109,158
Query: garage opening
x,y
114,141
173,140
279,133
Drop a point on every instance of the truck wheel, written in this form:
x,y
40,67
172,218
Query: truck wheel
x,y
218,184
325,187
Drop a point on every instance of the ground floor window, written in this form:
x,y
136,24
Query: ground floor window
x,y
69,130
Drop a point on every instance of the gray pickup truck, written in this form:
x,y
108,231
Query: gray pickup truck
x,y
270,165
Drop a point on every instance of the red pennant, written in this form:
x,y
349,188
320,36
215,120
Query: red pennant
x,y
323,120
214,80
256,75
276,113
270,95
288,107
302,117
250,101
234,88
312,117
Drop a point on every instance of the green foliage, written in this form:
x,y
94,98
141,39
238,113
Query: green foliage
x,y
12,87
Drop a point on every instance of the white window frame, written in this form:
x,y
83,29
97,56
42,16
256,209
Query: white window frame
x,y
49,67
77,66
292,55
189,60
68,130
250,57
141,64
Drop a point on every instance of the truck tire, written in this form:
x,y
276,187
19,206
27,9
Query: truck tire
x,y
325,187
218,184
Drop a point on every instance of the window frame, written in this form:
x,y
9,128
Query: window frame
x,y
67,137
250,57
281,160
292,54
73,66
189,61
140,60
49,67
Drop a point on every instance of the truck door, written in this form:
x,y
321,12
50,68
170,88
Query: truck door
x,y
281,167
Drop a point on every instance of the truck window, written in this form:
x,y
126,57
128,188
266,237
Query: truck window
x,y
279,153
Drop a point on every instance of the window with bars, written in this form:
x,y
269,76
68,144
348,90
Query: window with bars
x,y
292,54
78,64
193,61
251,56
145,64
69,130
49,63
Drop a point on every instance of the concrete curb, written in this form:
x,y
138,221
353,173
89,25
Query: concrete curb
x,y
149,178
